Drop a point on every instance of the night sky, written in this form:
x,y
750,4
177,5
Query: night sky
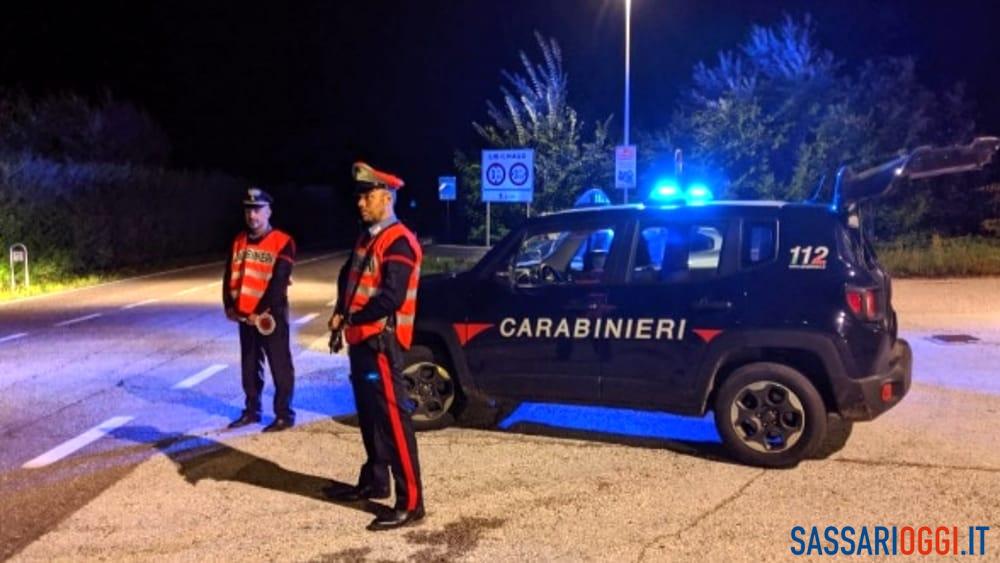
x,y
295,91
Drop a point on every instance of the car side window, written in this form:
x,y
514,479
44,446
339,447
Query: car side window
x,y
572,256
675,252
759,242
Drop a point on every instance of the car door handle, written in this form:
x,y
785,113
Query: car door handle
x,y
709,305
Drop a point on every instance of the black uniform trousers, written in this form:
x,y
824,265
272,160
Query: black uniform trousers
x,y
384,410
254,348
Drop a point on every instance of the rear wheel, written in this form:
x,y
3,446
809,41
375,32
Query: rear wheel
x,y
431,385
769,415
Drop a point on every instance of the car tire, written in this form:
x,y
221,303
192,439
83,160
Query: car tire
x,y
432,386
769,415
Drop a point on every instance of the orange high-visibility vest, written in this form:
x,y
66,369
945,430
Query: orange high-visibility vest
x,y
364,281
251,268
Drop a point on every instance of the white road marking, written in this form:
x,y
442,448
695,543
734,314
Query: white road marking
x,y
79,319
305,319
67,448
200,376
194,289
140,304
331,303
10,337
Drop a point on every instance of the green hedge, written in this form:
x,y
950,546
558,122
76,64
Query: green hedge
x,y
86,217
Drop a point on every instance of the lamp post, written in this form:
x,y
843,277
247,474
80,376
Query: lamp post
x,y
628,51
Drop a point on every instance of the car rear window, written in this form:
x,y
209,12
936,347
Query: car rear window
x,y
759,242
675,252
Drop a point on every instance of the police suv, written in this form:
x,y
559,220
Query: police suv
x,y
776,316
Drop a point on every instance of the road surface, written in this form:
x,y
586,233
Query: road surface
x,y
114,401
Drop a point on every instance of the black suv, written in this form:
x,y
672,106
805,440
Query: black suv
x,y
776,316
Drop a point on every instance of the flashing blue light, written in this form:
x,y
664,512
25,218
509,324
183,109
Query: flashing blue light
x,y
698,193
666,191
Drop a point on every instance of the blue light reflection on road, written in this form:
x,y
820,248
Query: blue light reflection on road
x,y
622,422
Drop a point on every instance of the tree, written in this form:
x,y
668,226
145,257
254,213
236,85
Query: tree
x,y
777,117
534,113
70,127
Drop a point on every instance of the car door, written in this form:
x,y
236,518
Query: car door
x,y
677,296
532,318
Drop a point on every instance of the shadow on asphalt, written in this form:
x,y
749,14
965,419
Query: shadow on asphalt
x,y
707,451
197,458
319,393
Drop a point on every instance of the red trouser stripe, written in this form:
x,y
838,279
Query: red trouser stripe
x,y
397,431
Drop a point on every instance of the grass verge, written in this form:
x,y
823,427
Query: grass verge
x,y
51,276
942,257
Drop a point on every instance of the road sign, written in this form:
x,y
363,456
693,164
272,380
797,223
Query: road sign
x,y
625,167
446,188
508,176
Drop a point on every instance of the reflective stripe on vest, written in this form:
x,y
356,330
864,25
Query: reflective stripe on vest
x,y
252,266
369,281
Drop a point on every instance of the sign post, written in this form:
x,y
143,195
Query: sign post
x,y
508,176
447,193
19,254
625,168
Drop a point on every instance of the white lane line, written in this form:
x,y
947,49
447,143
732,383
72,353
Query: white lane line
x,y
67,448
198,288
305,319
200,376
140,304
79,319
10,337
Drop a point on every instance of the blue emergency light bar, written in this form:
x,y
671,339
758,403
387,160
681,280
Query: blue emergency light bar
x,y
668,192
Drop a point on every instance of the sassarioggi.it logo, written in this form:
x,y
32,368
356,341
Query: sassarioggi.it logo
x,y
888,540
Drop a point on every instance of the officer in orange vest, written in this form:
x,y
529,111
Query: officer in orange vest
x,y
255,294
376,305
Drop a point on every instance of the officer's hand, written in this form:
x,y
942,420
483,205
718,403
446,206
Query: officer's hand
x,y
252,319
336,322
231,315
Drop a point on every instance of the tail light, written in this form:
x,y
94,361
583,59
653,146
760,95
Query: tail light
x,y
863,302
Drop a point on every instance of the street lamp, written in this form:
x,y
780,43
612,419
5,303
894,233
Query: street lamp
x,y
628,51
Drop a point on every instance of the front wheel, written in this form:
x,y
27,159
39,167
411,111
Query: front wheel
x,y
769,415
431,387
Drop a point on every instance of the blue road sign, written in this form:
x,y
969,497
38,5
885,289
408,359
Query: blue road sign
x,y
446,188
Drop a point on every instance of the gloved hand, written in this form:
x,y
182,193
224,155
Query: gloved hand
x,y
336,341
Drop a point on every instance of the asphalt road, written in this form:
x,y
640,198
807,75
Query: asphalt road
x,y
85,371
112,446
